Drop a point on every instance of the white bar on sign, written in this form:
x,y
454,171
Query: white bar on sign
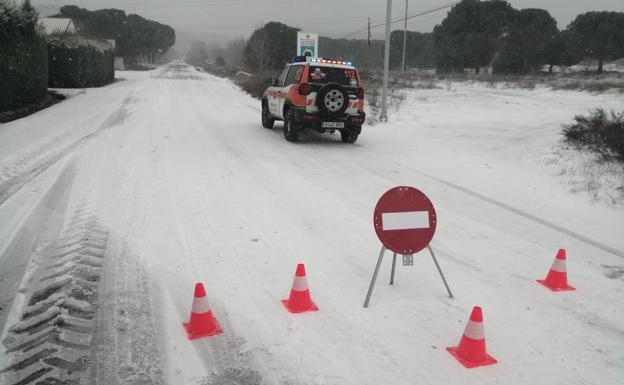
x,y
405,220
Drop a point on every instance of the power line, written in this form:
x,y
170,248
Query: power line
x,y
418,14
411,16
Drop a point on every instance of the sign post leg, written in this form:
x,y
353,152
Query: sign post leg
x,y
370,288
440,271
393,265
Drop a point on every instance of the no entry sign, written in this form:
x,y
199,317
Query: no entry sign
x,y
405,220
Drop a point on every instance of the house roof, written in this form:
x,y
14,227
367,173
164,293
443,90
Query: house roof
x,y
53,25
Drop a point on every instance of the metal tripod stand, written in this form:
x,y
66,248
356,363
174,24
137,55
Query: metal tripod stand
x,y
407,260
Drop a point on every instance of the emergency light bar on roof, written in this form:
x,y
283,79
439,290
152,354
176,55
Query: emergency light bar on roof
x,y
301,59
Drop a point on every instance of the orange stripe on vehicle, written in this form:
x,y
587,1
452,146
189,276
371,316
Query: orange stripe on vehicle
x,y
293,95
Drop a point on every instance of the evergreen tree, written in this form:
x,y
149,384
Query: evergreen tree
x,y
531,42
599,35
471,34
271,46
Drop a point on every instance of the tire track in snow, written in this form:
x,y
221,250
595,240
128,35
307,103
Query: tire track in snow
x,y
226,356
504,206
527,215
10,187
33,236
88,318
125,349
51,343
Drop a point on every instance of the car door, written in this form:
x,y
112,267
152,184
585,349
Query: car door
x,y
292,79
275,94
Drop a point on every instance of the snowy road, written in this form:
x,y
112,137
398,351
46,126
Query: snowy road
x,y
142,188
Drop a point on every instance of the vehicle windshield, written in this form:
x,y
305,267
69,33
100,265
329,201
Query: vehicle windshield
x,y
343,76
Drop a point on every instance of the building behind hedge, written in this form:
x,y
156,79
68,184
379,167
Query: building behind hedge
x,y
74,61
38,53
56,25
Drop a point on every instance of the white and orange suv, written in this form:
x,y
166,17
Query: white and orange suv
x,y
320,94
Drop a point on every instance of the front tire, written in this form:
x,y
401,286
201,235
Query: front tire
x,y
267,119
291,129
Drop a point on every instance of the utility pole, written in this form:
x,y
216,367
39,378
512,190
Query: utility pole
x,y
384,93
404,38
369,33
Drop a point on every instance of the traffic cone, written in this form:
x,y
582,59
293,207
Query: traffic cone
x,y
471,350
202,323
299,300
557,278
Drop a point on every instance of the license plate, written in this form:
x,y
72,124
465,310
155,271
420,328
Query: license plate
x,y
332,125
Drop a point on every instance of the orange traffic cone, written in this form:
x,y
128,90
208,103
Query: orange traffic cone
x,y
202,323
557,278
471,350
299,300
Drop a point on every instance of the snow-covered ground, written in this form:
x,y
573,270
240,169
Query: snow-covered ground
x,y
167,178
591,65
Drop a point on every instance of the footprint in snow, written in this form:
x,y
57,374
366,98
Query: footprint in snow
x,y
613,272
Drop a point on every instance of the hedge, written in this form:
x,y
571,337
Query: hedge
x,y
75,62
23,61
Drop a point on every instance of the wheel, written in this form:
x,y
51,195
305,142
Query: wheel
x,y
332,99
350,135
291,130
267,119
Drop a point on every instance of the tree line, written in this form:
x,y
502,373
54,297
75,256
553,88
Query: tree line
x,y
473,35
135,36
478,34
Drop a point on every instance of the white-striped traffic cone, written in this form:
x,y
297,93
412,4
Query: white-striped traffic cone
x,y
202,323
557,278
299,300
471,350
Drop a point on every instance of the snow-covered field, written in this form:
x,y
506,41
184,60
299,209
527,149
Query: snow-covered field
x,y
114,203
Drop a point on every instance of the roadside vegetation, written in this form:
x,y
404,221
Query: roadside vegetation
x,y
590,158
600,131
576,81
76,62
23,60
31,59
136,38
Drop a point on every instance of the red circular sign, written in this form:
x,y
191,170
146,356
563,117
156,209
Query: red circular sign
x,y
404,220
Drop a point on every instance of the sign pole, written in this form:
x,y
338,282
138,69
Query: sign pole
x,y
370,288
393,265
440,271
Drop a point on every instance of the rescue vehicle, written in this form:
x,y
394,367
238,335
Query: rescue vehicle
x,y
316,93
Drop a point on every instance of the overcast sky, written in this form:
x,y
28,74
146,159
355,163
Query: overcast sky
x,y
226,19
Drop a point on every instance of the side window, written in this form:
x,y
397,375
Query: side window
x,y
282,77
294,75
